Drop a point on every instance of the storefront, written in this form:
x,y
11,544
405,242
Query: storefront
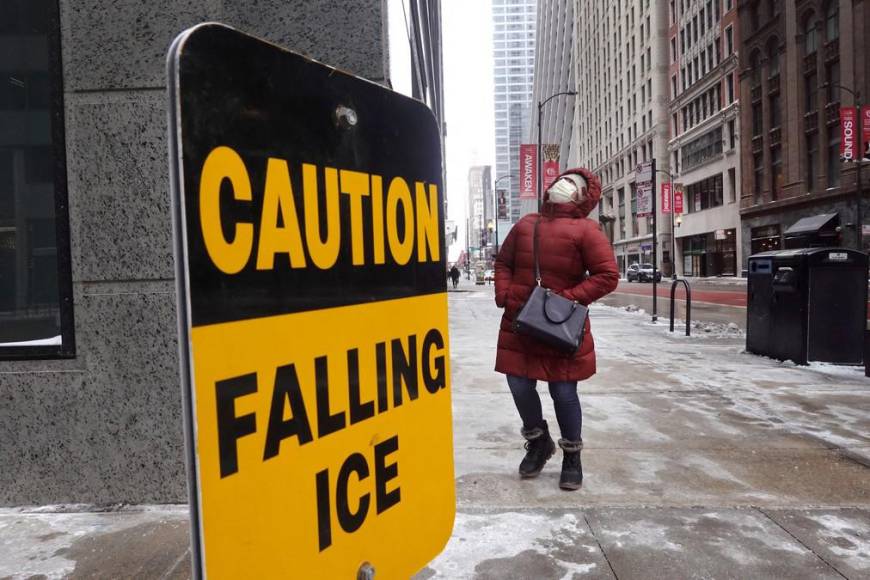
x,y
765,238
710,254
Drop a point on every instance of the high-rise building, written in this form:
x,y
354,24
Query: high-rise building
x,y
621,114
514,64
790,147
705,125
480,212
554,74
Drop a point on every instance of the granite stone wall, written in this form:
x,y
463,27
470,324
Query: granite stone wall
x,y
105,427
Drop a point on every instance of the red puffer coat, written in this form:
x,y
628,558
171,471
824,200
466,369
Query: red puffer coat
x,y
576,261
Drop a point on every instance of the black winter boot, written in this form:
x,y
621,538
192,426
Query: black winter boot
x,y
539,448
572,470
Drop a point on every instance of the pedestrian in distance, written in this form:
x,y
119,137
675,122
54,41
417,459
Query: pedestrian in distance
x,y
454,275
576,261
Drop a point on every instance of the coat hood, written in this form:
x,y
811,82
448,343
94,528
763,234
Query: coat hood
x,y
593,193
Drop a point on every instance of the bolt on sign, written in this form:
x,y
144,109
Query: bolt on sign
x,y
308,220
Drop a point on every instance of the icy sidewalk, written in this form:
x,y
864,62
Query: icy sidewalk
x,y
700,460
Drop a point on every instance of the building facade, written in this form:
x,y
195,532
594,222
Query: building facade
x,y
89,379
705,129
480,212
790,54
554,74
621,113
514,65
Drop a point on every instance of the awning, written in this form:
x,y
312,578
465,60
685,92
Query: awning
x,y
813,224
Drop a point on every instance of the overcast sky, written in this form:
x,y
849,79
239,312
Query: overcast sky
x,y
468,98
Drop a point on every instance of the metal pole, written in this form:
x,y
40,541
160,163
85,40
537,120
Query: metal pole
x,y
859,191
540,160
654,243
673,232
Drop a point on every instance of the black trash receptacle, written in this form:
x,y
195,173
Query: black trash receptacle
x,y
807,304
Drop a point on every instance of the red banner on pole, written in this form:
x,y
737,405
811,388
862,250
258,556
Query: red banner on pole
x,y
678,201
666,197
848,131
528,171
551,172
865,123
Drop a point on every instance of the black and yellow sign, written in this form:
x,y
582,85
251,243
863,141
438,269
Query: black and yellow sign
x,y
313,314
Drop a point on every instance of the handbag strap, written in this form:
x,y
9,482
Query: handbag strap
x,y
535,252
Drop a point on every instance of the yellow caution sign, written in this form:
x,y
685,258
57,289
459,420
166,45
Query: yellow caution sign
x,y
313,315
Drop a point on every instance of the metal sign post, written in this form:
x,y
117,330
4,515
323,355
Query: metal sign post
x,y
308,227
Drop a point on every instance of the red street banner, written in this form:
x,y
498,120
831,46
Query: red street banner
x,y
678,201
551,165
865,139
528,171
666,198
848,127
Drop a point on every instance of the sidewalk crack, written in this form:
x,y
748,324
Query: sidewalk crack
x,y
600,547
795,538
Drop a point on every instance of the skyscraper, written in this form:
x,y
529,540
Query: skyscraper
x,y
514,66
621,114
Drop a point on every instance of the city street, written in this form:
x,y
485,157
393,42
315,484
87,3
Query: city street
x,y
700,461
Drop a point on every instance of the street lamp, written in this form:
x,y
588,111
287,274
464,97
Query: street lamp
x,y
540,161
859,218
495,207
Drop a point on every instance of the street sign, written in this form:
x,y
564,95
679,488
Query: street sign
x,y
312,314
644,199
643,172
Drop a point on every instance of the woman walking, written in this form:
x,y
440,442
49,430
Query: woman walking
x,y
576,261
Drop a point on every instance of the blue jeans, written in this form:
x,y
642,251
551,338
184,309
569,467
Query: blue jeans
x,y
565,399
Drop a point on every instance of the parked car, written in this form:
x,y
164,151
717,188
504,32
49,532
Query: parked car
x,y
642,273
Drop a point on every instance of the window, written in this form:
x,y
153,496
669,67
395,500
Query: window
x,y
776,176
729,81
755,70
809,31
732,134
810,91
812,160
704,148
773,59
729,41
832,21
705,194
832,77
775,111
35,286
757,120
757,175
833,169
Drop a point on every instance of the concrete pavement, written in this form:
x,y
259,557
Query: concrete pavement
x,y
701,462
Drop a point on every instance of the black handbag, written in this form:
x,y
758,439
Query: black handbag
x,y
550,318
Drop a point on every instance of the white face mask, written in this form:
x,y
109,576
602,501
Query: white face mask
x,y
562,191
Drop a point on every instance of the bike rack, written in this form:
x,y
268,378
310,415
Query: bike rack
x,y
688,304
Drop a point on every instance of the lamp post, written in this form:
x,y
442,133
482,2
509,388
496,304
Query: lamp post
x,y
673,219
540,161
495,208
859,217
